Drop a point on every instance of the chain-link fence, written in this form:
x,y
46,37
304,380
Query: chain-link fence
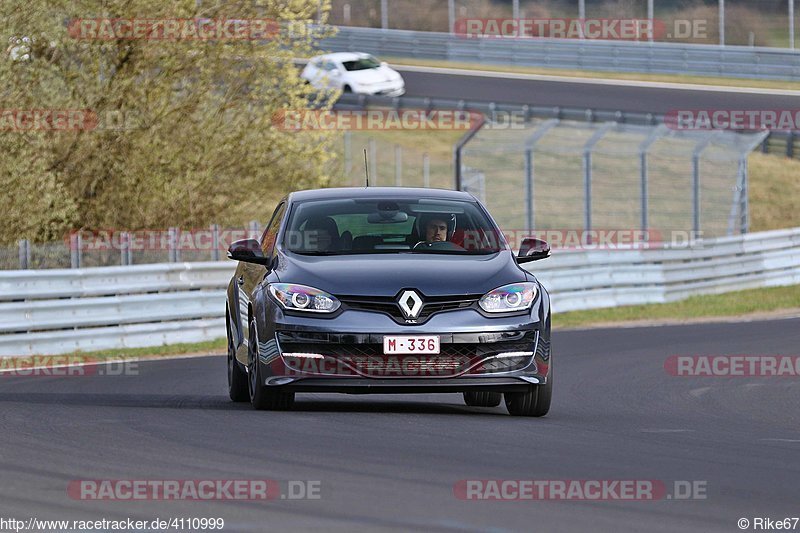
x,y
85,249
745,22
556,174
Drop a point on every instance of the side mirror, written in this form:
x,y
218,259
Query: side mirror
x,y
247,250
533,250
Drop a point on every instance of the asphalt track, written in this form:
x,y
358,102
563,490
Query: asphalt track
x,y
390,462
620,96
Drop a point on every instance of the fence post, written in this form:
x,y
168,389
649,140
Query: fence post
x,y
254,230
124,248
451,16
644,169
373,163
24,254
459,146
744,210
173,244
587,174
75,250
348,157
790,145
529,219
398,165
215,242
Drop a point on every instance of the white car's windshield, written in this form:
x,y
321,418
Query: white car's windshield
x,y
363,63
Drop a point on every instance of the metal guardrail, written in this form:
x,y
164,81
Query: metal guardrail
x,y
592,279
61,311
616,56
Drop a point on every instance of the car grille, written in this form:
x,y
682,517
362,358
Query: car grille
x,y
368,358
430,306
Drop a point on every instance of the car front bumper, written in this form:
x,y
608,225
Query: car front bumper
x,y
345,354
382,89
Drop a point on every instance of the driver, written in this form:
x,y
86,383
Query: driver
x,y
436,230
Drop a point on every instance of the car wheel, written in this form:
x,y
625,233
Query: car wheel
x,y
534,402
482,399
237,378
347,89
261,396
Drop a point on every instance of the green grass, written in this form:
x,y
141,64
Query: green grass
x,y
731,304
216,346
205,347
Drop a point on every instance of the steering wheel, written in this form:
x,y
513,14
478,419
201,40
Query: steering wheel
x,y
438,245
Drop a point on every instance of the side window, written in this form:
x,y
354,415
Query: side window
x,y
268,239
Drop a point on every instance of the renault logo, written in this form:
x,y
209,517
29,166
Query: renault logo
x,y
410,303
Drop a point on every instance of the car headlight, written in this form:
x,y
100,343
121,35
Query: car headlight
x,y
508,298
302,298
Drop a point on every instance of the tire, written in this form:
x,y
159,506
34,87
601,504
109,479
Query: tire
x,y
534,402
261,397
482,399
237,378
347,89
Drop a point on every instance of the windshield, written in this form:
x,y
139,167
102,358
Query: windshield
x,y
379,226
363,63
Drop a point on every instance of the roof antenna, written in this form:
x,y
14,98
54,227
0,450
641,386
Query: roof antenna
x,y
366,166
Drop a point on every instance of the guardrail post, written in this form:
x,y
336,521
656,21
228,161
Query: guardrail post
x,y
790,145
75,250
426,170
24,254
215,256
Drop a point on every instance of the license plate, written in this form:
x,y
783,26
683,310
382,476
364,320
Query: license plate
x,y
424,344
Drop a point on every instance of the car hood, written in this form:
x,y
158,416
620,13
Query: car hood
x,y
387,274
373,75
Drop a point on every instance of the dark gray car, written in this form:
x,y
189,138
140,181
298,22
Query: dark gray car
x,y
387,290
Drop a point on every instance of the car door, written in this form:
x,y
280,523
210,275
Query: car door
x,y
334,73
249,275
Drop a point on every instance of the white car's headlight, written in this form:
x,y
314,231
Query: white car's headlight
x,y
302,298
508,298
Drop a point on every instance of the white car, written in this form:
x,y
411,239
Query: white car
x,y
353,72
